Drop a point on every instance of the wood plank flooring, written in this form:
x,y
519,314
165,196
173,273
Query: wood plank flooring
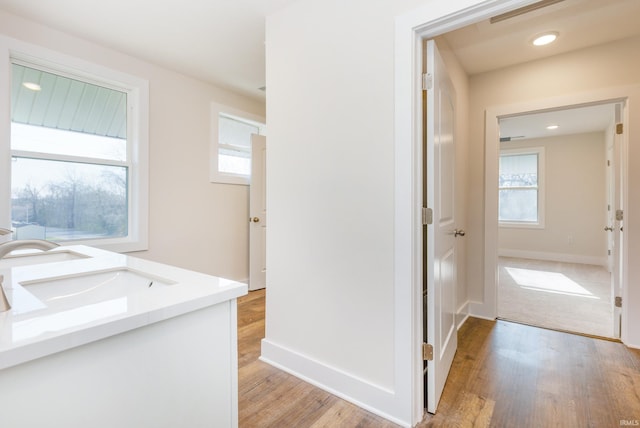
x,y
506,375
269,397
503,375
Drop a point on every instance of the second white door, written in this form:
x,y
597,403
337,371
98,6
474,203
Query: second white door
x,y
258,214
440,249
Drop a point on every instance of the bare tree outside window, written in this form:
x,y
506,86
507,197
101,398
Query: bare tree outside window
x,y
69,170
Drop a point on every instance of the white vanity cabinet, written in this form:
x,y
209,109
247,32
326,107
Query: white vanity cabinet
x,y
165,360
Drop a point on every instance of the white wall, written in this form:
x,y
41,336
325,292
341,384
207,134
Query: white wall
x,y
330,186
575,197
598,68
192,223
330,181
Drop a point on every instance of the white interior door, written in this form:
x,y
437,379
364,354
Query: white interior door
x,y
258,214
441,234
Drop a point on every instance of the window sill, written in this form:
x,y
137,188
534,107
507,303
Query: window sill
x,y
520,225
220,178
117,245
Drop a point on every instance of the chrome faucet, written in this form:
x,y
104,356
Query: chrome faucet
x,y
4,303
5,234
7,247
39,244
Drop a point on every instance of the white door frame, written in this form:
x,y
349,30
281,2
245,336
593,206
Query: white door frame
x,y
488,307
429,21
620,200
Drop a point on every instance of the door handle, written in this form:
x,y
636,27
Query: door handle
x,y
608,229
458,232
254,219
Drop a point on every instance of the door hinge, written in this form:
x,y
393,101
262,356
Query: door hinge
x,y
618,302
608,252
619,128
427,352
427,216
619,215
427,82
608,162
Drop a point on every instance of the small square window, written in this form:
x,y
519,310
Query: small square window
x,y
231,144
234,145
521,192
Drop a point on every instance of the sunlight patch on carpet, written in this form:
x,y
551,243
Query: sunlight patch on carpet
x,y
550,282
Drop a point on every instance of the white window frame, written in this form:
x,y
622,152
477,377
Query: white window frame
x,y
217,110
539,151
137,90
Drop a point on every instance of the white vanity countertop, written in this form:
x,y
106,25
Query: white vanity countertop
x,y
43,321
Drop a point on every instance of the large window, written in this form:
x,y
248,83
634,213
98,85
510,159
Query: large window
x,y
521,191
231,144
77,149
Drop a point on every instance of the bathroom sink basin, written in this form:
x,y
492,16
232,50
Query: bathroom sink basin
x,y
34,258
91,287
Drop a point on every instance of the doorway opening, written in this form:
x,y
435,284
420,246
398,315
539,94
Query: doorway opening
x,y
557,248
558,235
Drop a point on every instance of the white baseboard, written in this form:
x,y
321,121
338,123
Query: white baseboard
x,y
362,393
554,257
462,314
479,310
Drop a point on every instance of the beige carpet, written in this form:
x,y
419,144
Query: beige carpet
x,y
565,296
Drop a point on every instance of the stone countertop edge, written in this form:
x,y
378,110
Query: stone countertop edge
x,y
193,291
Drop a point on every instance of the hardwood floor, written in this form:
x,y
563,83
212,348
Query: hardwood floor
x,y
269,397
504,375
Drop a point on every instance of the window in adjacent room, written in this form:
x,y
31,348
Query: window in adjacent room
x,y
231,147
78,157
521,178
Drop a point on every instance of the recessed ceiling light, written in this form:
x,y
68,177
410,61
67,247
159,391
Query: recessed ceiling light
x,y
545,39
31,85
551,127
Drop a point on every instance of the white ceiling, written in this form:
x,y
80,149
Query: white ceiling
x,y
218,41
580,23
222,41
580,120
484,47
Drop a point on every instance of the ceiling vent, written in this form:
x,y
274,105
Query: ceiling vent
x,y
523,10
